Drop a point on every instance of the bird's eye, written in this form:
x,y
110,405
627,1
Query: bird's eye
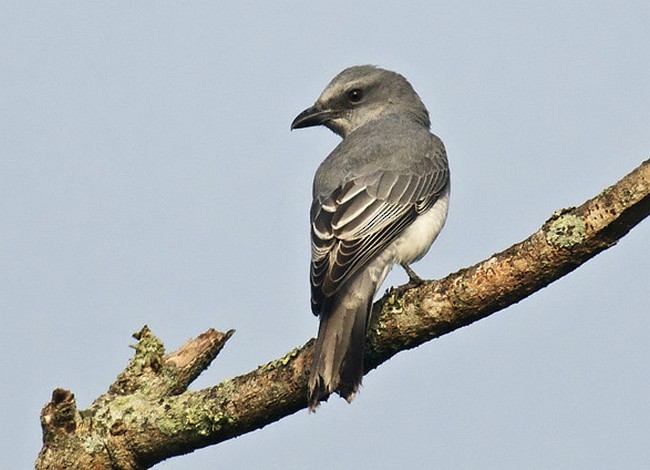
x,y
355,95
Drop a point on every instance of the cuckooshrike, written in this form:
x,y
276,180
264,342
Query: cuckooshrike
x,y
380,198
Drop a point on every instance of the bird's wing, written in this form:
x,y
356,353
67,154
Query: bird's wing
x,y
362,217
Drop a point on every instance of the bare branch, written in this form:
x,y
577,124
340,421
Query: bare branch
x,y
148,416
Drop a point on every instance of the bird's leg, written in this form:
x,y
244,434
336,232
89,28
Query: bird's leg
x,y
414,279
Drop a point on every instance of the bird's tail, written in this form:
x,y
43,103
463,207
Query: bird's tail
x,y
338,354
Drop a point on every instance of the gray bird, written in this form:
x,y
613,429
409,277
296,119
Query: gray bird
x,y
380,198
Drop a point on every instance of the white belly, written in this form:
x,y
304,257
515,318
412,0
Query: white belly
x,y
414,242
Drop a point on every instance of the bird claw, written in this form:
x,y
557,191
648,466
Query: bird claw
x,y
414,281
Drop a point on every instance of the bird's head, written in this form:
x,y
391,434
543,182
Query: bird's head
x,y
360,94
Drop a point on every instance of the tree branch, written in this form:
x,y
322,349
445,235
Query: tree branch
x,y
148,415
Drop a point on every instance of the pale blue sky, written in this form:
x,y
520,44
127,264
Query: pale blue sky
x,y
148,176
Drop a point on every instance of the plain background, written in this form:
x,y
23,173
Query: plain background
x,y
148,176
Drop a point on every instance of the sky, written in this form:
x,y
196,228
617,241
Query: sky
x,y
148,176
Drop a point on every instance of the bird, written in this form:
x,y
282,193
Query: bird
x,y
380,198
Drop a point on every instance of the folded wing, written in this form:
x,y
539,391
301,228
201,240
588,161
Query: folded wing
x,y
360,218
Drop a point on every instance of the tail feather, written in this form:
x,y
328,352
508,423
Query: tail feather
x,y
338,353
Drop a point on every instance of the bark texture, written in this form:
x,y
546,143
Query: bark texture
x,y
148,415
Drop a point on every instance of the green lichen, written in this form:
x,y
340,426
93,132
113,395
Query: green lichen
x,y
566,231
283,361
148,352
195,415
289,356
93,444
393,304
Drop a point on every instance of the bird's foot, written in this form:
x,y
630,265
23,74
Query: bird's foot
x,y
414,279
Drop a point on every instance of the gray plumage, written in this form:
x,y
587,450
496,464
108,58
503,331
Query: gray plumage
x,y
380,198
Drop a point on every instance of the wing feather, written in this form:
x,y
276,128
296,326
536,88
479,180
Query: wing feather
x,y
362,217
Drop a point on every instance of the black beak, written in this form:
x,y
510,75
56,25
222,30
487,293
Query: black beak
x,y
314,116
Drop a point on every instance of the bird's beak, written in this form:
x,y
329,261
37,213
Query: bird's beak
x,y
314,116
